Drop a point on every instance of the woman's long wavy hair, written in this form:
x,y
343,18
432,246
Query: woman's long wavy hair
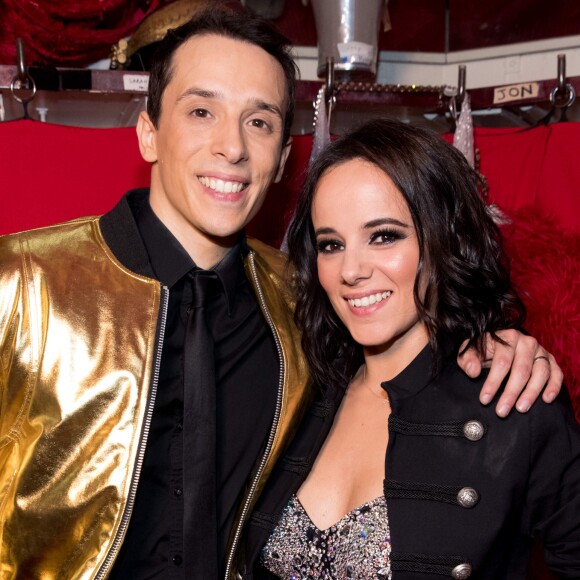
x,y
465,286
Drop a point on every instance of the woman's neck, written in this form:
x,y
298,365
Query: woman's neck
x,y
385,363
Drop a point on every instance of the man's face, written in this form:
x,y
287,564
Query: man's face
x,y
218,145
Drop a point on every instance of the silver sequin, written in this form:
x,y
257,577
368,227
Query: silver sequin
x,y
357,546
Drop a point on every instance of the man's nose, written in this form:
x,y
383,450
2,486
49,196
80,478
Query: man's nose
x,y
229,141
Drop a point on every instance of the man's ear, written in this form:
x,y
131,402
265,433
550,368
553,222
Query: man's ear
x,y
283,157
147,136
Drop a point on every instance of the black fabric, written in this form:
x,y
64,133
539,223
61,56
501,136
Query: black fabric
x,y
199,425
246,378
427,491
424,564
121,233
525,470
288,475
454,429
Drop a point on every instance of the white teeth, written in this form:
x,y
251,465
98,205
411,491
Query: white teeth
x,y
222,186
368,300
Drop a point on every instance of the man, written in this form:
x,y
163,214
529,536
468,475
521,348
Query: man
x,y
119,459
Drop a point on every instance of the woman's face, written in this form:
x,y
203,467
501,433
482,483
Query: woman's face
x,y
368,255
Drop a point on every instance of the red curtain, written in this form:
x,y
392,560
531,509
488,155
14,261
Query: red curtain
x,y
535,167
534,177
52,173
68,32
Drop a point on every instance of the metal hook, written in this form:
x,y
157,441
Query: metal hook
x,y
563,95
22,80
329,86
461,80
21,61
456,98
569,94
561,72
329,93
453,108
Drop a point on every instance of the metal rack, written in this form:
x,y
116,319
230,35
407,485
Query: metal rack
x,y
113,98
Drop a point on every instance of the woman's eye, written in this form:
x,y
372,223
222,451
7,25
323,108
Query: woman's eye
x,y
386,237
328,246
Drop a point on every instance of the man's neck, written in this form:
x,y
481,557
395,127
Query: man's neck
x,y
206,253
205,250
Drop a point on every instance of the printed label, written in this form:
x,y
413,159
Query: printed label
x,y
519,92
356,52
136,83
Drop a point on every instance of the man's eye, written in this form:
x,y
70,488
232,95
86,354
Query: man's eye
x,y
260,124
202,113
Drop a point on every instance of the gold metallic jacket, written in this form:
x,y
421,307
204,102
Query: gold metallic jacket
x,y
80,342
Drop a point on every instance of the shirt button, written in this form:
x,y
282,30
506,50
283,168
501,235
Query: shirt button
x,y
461,572
177,560
473,430
177,491
467,497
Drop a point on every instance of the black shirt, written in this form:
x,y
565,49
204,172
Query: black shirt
x,y
247,370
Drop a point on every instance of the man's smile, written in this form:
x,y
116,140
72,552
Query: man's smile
x,y
222,186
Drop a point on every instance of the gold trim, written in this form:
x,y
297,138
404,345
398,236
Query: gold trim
x,y
155,27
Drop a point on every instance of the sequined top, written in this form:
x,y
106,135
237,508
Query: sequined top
x,y
357,546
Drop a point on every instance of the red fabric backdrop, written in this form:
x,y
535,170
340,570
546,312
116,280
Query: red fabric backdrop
x,y
52,173
68,32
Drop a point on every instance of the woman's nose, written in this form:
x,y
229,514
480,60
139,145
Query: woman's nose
x,y
354,267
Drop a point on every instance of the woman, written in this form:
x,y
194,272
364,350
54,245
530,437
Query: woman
x,y
398,471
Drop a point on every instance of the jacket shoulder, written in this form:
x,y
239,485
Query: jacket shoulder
x,y
48,232
46,240
276,260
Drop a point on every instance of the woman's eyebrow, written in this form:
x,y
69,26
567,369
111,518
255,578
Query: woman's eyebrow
x,y
384,222
322,231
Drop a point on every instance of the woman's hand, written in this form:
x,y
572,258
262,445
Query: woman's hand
x,y
532,370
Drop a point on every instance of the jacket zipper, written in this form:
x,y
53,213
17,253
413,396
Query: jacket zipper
x,y
274,427
112,554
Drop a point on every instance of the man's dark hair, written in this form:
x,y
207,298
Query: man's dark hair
x,y
243,26
462,289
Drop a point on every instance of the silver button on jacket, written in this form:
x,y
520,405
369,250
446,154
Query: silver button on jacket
x,y
473,430
467,497
461,571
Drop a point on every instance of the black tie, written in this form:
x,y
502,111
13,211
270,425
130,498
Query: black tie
x,y
199,449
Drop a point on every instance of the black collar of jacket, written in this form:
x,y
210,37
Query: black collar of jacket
x,y
122,236
420,372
